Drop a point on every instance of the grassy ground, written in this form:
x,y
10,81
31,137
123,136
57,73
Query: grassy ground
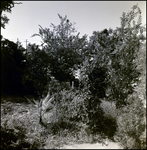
x,y
21,128
21,120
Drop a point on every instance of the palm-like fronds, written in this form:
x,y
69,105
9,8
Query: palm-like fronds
x,y
43,106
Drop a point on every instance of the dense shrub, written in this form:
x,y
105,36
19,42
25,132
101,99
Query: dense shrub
x,y
131,121
55,86
69,106
97,82
131,125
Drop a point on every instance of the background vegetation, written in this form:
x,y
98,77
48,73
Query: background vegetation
x,y
107,100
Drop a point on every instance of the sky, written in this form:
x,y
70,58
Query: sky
x,y
89,16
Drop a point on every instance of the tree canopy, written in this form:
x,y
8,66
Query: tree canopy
x,y
63,47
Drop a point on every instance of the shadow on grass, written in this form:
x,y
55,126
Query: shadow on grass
x,y
11,139
103,125
13,99
55,128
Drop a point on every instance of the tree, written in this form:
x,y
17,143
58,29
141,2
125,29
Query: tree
x,y
94,70
36,75
124,73
63,48
11,67
115,52
110,70
6,6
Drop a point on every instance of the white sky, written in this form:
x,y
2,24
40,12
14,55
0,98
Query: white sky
x,y
89,16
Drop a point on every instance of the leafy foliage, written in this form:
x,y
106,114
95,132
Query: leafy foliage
x,y
10,139
63,48
37,74
110,70
6,6
70,106
114,54
131,121
131,125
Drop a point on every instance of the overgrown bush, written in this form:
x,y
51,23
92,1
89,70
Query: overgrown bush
x,y
69,106
97,82
55,86
132,125
110,71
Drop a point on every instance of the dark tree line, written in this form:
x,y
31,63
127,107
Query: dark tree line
x,y
11,67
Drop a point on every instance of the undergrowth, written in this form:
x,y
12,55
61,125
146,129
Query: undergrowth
x,y
20,127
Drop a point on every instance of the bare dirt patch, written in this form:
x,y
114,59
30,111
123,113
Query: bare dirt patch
x,y
109,145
